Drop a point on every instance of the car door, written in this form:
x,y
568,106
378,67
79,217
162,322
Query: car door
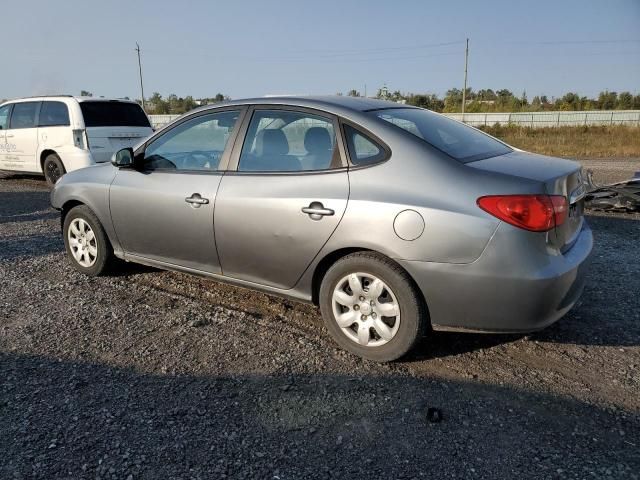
x,y
285,198
22,138
162,209
5,110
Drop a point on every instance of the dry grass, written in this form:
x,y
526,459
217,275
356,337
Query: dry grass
x,y
579,142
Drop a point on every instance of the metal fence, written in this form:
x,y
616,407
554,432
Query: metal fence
x,y
525,119
552,119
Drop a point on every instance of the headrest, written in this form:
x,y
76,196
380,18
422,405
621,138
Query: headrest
x,y
317,140
271,142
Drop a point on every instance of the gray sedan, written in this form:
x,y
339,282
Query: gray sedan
x,y
394,220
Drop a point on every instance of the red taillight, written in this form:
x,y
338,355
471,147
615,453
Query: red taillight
x,y
537,213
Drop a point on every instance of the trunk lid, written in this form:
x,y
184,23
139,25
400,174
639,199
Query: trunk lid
x,y
556,176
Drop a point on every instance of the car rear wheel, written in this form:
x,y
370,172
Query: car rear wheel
x,y
53,169
371,307
86,242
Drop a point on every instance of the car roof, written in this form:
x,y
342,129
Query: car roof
x,y
331,103
67,97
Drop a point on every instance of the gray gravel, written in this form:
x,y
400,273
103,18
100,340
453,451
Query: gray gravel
x,y
149,374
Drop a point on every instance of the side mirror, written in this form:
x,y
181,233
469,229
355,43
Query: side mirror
x,y
123,158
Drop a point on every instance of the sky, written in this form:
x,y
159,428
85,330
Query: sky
x,y
254,48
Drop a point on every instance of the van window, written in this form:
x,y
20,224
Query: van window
x,y
53,114
4,117
24,115
113,114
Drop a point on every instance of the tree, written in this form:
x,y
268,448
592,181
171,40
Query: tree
x,y
353,93
453,100
85,93
536,104
607,100
431,102
625,101
486,95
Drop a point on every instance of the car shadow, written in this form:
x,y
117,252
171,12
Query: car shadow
x,y
129,269
25,207
32,245
73,419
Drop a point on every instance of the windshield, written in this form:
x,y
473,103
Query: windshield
x,y
457,140
113,114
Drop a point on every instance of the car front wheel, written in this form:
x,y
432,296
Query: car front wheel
x,y
371,307
86,242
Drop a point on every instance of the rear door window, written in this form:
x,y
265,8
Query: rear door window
x,y
113,114
286,141
24,115
53,114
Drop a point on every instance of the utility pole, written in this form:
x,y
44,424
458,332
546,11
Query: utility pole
x,y
140,70
464,91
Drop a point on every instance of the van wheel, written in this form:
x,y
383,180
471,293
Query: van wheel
x,y
53,169
371,307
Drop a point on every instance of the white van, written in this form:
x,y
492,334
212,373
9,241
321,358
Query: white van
x,y
54,135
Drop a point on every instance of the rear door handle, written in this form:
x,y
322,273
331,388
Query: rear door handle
x,y
196,200
316,211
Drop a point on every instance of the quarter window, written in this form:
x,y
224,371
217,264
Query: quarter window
x,y
53,114
24,115
197,144
4,117
286,141
362,149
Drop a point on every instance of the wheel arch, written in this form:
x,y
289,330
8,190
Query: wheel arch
x,y
332,257
44,154
66,208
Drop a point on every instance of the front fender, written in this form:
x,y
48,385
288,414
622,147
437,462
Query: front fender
x,y
90,187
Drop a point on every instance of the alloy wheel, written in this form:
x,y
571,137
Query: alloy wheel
x,y
366,309
82,242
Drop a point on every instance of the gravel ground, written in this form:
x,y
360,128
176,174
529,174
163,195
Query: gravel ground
x,y
150,374
609,170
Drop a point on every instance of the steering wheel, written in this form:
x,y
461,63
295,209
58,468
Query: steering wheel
x,y
198,159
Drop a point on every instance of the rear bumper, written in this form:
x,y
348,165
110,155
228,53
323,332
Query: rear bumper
x,y
502,291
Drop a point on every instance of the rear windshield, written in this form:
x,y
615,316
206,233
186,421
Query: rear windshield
x,y
113,114
457,140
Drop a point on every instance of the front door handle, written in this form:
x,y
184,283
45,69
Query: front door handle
x,y
196,200
316,211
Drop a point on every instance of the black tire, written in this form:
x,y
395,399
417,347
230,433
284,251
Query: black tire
x,y
104,258
414,319
53,169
